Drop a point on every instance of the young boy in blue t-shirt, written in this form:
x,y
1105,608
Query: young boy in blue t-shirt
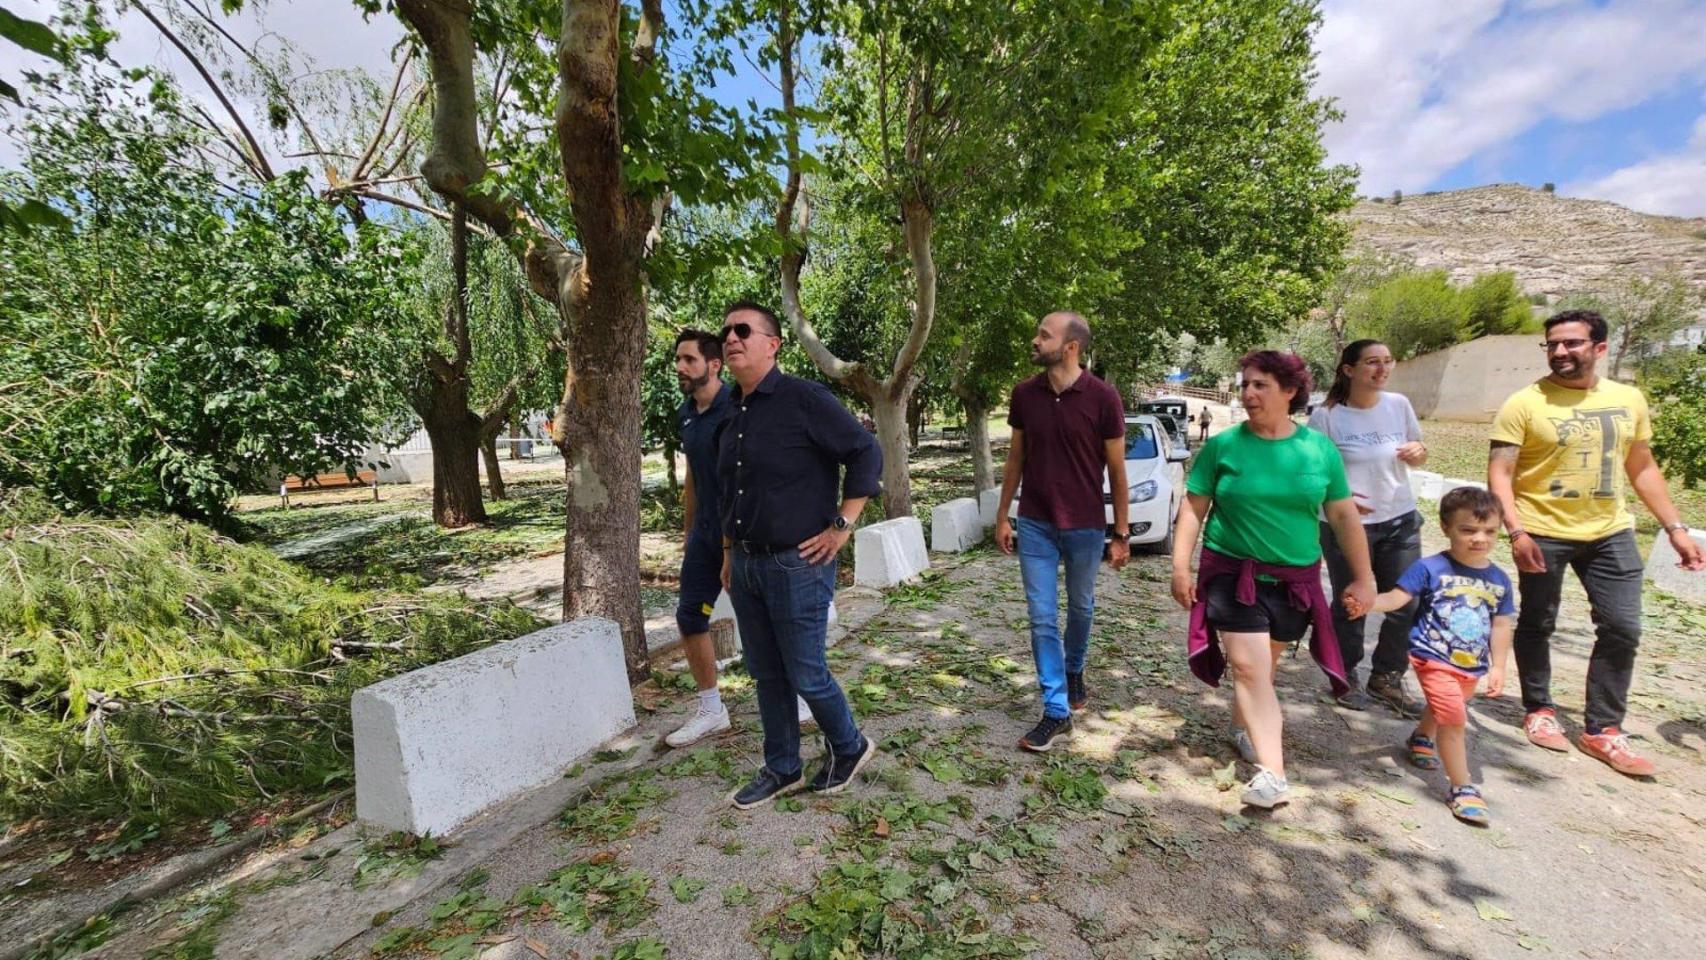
x,y
1465,614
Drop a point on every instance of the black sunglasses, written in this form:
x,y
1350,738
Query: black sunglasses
x,y
741,330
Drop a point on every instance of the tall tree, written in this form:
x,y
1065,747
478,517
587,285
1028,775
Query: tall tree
x,y
626,133
1644,312
930,102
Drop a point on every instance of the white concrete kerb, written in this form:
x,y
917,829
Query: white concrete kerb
x,y
888,553
987,503
436,746
955,526
1426,485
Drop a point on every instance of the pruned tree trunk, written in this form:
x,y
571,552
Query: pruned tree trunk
x,y
454,433
977,437
600,421
914,424
494,470
669,462
515,437
890,413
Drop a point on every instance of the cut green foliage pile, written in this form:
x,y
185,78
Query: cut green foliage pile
x,y
153,669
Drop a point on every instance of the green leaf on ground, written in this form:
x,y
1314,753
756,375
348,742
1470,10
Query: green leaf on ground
x,y
1488,910
1395,796
686,889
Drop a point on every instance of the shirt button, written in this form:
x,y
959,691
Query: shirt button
x,y
737,463
740,436
740,493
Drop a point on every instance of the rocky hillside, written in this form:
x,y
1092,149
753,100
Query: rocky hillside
x,y
1556,245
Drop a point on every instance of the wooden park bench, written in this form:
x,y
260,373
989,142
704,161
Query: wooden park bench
x,y
953,434
336,480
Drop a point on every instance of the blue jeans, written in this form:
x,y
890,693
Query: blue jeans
x,y
782,606
1042,549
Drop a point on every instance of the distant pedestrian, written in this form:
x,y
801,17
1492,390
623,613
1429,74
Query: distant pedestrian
x,y
1068,435
1380,439
1203,420
1562,450
1258,584
786,512
1462,632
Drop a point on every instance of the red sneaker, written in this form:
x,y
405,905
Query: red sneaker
x,y
1543,730
1613,748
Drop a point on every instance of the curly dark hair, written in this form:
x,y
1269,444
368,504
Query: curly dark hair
x,y
1287,369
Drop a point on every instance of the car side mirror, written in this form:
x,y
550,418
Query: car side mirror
x,y
1176,455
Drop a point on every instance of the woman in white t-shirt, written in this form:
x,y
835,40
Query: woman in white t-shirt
x,y
1380,439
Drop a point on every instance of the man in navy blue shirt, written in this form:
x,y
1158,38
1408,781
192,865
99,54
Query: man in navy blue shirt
x,y
698,369
786,511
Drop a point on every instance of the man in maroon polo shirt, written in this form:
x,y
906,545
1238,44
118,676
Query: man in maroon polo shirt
x,y
1068,428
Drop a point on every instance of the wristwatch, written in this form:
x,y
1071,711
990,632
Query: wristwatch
x,y
1673,527
840,522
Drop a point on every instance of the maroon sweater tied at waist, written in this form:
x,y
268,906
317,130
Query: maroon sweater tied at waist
x,y
1303,584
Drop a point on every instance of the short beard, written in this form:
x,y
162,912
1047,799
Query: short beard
x,y
690,387
1042,359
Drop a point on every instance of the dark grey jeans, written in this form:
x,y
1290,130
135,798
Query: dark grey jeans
x,y
1610,571
1393,545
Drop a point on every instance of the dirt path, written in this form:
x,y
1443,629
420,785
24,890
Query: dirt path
x,y
1128,844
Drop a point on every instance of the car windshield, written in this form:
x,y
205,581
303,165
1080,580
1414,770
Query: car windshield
x,y
1140,442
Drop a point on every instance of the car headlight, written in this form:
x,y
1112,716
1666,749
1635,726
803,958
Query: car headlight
x,y
1144,491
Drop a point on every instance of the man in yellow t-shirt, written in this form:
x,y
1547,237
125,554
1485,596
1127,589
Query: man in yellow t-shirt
x,y
1563,450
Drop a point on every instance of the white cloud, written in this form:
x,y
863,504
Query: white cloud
x,y
1671,183
331,32
1428,85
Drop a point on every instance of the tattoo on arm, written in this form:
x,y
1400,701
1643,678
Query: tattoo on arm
x,y
1501,451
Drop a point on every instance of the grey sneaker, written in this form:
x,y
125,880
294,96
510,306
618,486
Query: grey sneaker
x,y
1240,738
1388,688
1266,790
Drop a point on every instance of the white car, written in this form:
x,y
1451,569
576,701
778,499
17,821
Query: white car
x,y
1155,479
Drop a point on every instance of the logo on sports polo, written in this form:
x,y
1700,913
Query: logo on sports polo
x,y
1587,461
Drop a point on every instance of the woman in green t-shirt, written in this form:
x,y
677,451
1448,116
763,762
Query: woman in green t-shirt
x,y
1259,584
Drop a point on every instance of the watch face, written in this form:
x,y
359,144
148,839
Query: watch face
x,y
840,523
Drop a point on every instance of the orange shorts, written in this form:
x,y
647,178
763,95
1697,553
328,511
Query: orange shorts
x,y
1447,690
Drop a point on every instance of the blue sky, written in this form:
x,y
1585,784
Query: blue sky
x,y
1605,98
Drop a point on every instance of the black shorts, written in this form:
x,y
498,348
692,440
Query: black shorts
x,y
701,582
1272,613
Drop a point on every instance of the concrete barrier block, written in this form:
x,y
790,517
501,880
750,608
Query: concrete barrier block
x,y
438,745
987,503
955,526
1664,573
1425,484
1448,484
890,552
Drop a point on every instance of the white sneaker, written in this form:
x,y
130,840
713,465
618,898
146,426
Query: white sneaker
x,y
805,711
1241,741
1266,790
698,727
